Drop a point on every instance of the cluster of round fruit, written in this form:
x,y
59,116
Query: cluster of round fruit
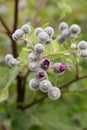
x,y
68,32
82,46
18,34
40,66
44,35
10,60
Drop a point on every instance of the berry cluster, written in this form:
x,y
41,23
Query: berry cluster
x,y
18,34
82,46
10,60
67,32
39,64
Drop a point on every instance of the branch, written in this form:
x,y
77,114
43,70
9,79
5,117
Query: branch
x,y
62,86
15,15
34,102
72,81
41,5
6,27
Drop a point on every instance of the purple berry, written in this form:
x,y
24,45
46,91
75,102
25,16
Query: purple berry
x,y
62,67
45,64
40,74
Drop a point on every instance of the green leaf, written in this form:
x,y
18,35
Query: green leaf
x,y
37,127
3,95
7,75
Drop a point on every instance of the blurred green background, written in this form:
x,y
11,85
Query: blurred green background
x,y
70,111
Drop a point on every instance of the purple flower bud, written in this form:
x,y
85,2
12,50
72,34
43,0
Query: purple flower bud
x,y
45,64
40,74
62,67
59,68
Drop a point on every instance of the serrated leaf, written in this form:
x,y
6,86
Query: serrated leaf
x,y
3,95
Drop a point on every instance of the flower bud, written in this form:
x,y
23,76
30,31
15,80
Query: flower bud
x,y
54,93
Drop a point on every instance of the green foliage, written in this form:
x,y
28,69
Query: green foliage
x,y
69,112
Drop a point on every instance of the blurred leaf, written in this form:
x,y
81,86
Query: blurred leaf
x,y
7,76
3,94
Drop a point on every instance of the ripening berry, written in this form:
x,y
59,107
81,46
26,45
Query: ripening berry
x,y
82,45
38,30
19,33
66,33
34,84
59,68
43,37
26,28
33,66
8,57
39,48
63,26
45,64
50,31
60,39
45,85
73,46
75,29
83,53
12,62
54,93
32,56
40,74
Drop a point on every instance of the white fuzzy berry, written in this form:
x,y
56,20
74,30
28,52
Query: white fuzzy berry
x,y
8,57
66,33
18,33
73,46
38,30
50,31
26,28
54,93
43,37
82,45
60,39
32,56
12,62
14,37
75,29
45,85
34,84
63,26
39,48
33,66
83,53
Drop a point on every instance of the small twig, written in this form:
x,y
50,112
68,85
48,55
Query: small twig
x,y
72,81
6,27
41,5
34,102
